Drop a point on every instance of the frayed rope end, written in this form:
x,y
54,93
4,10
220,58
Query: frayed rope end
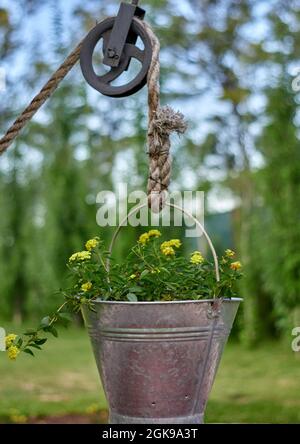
x,y
167,121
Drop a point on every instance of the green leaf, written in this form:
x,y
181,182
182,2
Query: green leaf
x,y
165,270
65,316
35,346
27,350
45,321
132,297
171,286
144,273
19,342
135,289
40,341
53,331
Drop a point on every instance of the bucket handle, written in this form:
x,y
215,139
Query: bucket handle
x,y
199,225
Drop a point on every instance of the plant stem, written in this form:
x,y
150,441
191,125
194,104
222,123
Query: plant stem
x,y
54,319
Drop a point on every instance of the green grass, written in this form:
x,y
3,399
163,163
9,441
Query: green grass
x,y
61,379
257,386
260,385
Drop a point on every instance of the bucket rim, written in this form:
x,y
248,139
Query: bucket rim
x,y
188,301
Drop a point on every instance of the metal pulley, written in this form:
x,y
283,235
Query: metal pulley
x,y
120,35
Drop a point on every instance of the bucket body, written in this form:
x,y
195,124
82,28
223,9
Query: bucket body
x,y
157,360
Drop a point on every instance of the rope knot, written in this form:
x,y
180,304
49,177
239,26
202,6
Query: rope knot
x,y
163,121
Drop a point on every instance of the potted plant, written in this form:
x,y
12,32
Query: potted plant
x,y
158,323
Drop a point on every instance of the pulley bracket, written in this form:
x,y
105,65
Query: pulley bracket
x,y
121,34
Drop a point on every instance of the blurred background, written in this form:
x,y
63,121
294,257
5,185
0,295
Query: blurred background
x,y
233,69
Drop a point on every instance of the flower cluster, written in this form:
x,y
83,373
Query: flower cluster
x,y
196,258
9,340
16,417
12,350
229,253
235,266
167,248
145,237
91,244
85,255
87,286
80,256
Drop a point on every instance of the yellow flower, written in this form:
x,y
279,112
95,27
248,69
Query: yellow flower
x,y
132,276
236,266
175,243
197,258
154,233
80,256
16,417
13,352
9,340
167,297
86,287
167,251
171,243
92,243
143,239
229,253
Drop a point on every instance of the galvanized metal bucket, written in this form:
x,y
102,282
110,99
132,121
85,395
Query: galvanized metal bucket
x,y
158,360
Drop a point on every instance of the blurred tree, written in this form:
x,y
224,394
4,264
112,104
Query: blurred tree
x,y
279,187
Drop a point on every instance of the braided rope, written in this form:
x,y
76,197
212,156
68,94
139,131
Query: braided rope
x,y
163,121
47,90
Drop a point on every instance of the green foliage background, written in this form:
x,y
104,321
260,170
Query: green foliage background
x,y
229,67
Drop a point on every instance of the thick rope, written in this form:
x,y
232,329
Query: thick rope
x,y
163,121
47,90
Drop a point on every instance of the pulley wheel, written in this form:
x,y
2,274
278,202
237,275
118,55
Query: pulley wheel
x,y
102,83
